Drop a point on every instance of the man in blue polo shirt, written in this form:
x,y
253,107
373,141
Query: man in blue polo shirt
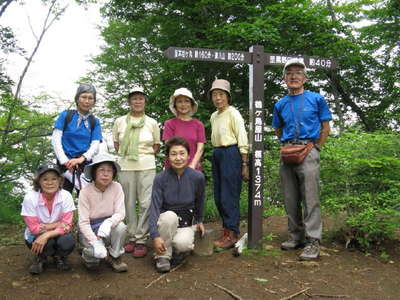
x,y
300,118
76,137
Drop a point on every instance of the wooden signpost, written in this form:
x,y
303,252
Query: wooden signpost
x,y
256,59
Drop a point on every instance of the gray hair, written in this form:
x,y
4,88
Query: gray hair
x,y
85,88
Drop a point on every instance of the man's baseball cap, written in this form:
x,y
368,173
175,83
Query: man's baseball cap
x,y
136,90
295,62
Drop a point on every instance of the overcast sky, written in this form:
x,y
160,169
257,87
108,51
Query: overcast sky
x,y
65,50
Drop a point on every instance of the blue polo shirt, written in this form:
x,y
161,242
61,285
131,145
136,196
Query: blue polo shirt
x,y
76,139
300,116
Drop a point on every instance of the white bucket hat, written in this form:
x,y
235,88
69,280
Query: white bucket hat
x,y
220,84
98,159
182,92
295,62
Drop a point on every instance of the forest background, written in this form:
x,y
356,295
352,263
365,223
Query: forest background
x,y
360,164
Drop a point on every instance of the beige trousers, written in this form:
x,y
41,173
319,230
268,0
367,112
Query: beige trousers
x,y
176,239
137,186
115,243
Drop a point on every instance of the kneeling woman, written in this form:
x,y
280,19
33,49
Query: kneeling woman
x,y
101,211
177,203
48,213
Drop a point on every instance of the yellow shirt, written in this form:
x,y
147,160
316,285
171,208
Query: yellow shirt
x,y
228,129
148,136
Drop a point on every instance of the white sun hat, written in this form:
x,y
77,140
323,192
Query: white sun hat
x,y
98,159
182,92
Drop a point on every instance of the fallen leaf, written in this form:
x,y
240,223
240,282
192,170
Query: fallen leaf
x,y
261,279
16,284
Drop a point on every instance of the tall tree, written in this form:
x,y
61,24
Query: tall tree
x,y
23,129
364,86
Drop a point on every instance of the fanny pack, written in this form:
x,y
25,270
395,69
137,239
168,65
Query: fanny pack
x,y
185,216
96,223
295,154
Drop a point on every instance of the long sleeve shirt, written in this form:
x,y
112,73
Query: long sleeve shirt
x,y
95,204
35,212
173,192
227,129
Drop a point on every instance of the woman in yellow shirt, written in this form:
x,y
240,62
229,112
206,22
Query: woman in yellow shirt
x,y
229,161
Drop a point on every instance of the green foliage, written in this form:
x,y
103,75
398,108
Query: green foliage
x,y
365,85
360,176
23,147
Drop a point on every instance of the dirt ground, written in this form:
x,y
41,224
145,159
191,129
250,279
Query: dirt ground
x,y
269,274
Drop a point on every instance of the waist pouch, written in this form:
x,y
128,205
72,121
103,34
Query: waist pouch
x,y
96,223
185,216
295,154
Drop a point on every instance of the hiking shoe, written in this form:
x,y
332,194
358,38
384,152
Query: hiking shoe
x,y
117,264
227,241
130,247
225,232
91,266
292,244
311,250
163,265
140,251
61,263
37,265
179,258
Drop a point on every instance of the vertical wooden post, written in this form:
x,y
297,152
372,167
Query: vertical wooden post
x,y
256,153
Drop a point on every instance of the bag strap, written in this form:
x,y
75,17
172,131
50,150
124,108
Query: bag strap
x,y
68,118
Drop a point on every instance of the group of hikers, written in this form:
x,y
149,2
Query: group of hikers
x,y
122,203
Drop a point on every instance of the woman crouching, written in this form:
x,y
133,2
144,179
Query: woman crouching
x,y
101,211
177,202
48,213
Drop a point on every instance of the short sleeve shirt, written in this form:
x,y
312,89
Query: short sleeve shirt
x,y
300,116
192,131
148,136
76,139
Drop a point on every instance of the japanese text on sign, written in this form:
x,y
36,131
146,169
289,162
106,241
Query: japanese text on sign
x,y
209,55
310,62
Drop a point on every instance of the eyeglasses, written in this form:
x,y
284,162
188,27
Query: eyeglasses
x,y
105,171
292,73
86,98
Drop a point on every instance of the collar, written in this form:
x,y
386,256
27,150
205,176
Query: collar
x,y
57,199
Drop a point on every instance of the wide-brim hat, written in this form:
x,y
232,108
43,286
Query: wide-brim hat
x,y
295,62
182,92
220,84
49,166
135,90
98,159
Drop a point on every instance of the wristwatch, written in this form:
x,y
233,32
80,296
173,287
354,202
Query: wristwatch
x,y
318,147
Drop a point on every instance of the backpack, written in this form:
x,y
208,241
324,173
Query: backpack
x,y
68,119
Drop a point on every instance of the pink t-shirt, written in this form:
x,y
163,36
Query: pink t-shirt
x,y
192,131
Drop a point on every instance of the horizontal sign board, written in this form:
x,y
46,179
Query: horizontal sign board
x,y
227,56
310,61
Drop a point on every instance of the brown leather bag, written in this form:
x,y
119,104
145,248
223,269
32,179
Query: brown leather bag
x,y
295,154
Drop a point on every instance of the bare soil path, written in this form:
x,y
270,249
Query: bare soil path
x,y
269,274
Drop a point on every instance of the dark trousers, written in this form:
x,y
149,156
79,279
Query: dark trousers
x,y
227,176
61,245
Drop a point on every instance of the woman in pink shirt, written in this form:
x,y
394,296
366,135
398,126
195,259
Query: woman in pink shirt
x,y
48,213
101,209
183,106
